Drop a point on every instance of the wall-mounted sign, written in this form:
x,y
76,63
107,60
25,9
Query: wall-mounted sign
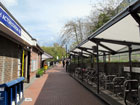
x,y
9,22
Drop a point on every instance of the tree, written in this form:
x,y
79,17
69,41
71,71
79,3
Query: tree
x,y
55,51
75,31
102,13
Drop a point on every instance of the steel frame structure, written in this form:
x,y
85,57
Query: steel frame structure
x,y
133,10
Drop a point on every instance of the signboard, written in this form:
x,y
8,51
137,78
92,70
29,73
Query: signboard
x,y
9,22
134,69
57,57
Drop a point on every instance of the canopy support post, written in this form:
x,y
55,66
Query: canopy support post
x,y
82,66
74,57
130,61
95,49
104,60
91,59
78,59
97,69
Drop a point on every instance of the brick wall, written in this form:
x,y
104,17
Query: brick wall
x,y
9,55
39,61
35,57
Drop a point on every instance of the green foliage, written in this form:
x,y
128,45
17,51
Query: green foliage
x,y
123,5
40,72
104,15
135,60
102,19
55,51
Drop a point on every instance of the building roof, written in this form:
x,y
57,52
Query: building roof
x,y
46,56
10,26
9,30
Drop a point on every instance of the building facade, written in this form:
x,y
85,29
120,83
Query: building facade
x,y
36,56
45,57
19,52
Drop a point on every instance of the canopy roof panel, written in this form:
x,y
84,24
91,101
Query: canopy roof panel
x,y
134,47
77,50
90,44
85,55
73,53
114,47
126,29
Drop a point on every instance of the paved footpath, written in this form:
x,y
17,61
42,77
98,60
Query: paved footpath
x,y
58,88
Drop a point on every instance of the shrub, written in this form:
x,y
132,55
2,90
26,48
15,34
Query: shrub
x,y
40,72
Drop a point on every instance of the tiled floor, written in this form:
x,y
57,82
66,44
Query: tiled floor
x,y
58,88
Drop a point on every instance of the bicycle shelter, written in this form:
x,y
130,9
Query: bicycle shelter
x,y
119,35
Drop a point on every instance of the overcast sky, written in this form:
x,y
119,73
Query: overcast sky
x,y
43,19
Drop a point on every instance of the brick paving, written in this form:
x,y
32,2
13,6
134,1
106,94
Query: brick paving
x,y
34,90
60,89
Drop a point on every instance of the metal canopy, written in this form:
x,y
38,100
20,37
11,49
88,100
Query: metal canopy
x,y
126,29
119,35
120,32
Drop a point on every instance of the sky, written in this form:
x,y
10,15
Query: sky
x,y
44,19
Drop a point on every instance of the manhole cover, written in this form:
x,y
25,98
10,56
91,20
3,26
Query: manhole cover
x,y
28,99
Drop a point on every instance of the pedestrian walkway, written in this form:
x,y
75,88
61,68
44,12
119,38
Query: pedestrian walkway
x,y
32,92
58,88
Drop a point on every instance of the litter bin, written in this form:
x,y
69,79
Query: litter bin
x,y
11,93
45,67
